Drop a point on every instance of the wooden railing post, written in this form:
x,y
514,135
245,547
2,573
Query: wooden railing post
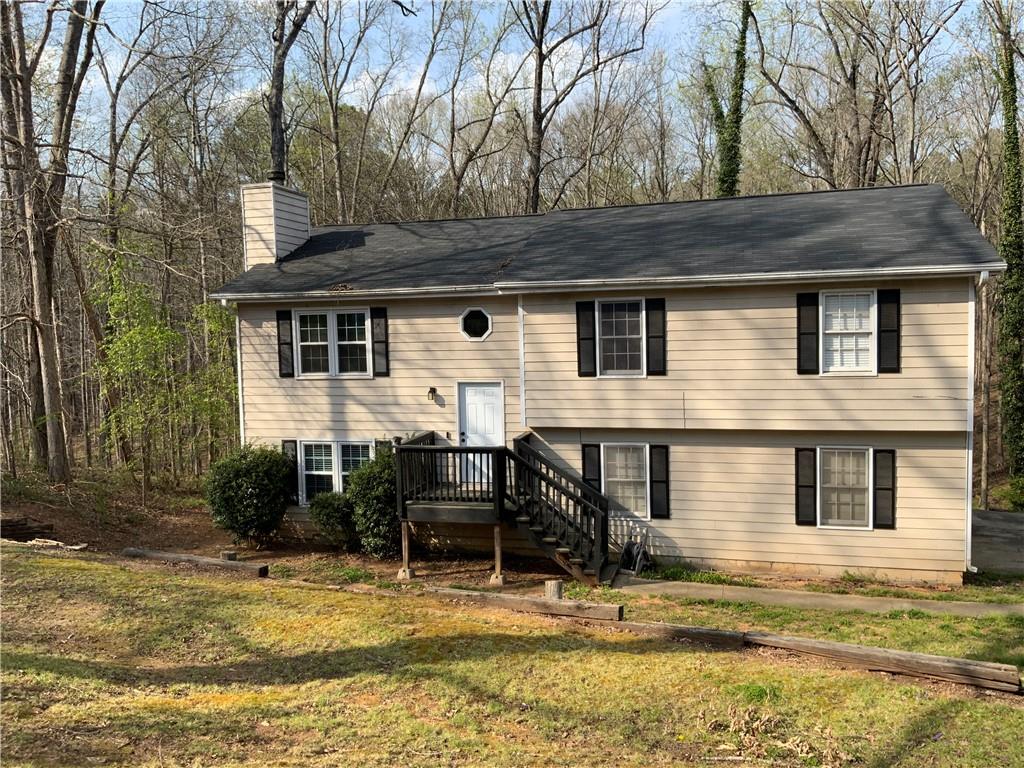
x,y
498,480
399,456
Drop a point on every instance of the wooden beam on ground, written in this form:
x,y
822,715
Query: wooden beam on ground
x,y
719,638
983,674
254,569
530,604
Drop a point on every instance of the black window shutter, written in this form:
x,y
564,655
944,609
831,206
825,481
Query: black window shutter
x,y
285,344
379,336
889,331
885,488
586,338
290,448
806,333
592,465
806,481
659,483
655,337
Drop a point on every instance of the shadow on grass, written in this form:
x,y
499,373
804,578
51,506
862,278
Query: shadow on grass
x,y
411,657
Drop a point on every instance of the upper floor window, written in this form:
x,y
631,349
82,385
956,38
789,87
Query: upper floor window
x,y
475,324
621,338
848,332
334,342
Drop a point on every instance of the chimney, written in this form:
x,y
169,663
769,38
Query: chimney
x,y
275,221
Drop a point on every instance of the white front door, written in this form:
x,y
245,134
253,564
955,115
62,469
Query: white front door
x,y
481,423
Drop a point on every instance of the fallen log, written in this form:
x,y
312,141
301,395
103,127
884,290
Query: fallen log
x,y
255,569
983,674
530,604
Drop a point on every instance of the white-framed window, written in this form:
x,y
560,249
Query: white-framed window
x,y
625,469
620,337
844,487
334,342
475,324
326,465
848,332
314,343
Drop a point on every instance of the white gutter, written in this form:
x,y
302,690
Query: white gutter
x,y
750,277
632,283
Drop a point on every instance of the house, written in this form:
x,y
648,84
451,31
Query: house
x,y
780,383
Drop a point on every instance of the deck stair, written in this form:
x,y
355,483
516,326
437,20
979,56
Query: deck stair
x,y
565,518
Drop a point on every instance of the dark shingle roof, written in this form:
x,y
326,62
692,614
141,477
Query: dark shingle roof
x,y
912,228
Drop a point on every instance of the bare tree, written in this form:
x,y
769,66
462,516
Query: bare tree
x,y
43,185
284,37
601,31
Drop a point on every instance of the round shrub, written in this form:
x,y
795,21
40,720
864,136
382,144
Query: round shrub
x,y
371,489
248,493
332,515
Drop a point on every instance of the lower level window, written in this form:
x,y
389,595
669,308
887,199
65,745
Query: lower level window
x,y
844,488
625,477
326,466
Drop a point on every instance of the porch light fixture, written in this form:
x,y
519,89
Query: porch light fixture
x,y
432,394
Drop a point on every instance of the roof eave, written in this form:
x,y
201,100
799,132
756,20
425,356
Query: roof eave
x,y
615,284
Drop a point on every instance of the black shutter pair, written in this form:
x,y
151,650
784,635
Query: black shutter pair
x,y
888,331
378,338
658,480
883,487
586,337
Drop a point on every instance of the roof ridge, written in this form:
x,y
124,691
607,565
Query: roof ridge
x,y
553,211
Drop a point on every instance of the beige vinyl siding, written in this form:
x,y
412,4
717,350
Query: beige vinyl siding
x,y
732,502
427,349
275,221
731,355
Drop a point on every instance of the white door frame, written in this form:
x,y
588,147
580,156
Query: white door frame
x,y
459,384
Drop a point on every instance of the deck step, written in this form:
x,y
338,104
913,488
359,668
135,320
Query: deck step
x,y
577,560
549,540
563,550
523,519
537,528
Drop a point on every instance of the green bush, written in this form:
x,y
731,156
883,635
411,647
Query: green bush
x,y
371,489
332,515
248,493
1015,494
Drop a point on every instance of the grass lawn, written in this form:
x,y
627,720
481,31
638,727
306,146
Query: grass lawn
x,y
137,664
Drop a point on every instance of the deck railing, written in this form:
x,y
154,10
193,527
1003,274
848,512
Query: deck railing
x,y
560,506
450,474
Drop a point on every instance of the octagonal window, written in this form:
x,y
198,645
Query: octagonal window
x,y
476,324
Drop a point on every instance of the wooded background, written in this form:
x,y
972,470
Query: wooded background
x,y
128,128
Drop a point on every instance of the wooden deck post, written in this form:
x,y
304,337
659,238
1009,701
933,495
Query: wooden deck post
x,y
497,578
406,573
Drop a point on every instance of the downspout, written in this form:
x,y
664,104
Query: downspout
x,y
971,333
522,360
238,366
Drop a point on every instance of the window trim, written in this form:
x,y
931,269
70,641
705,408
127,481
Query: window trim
x,y
869,468
332,342
642,373
490,323
872,331
613,514
336,474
